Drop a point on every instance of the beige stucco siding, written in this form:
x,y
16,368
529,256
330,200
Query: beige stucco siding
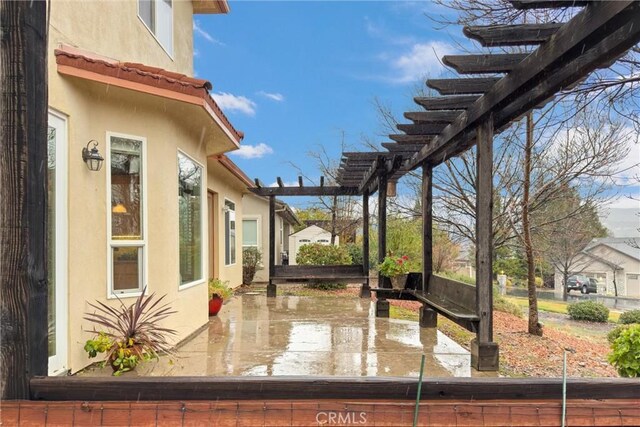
x,y
91,114
594,267
258,207
226,186
113,29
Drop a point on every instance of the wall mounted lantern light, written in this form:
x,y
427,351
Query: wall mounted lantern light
x,y
92,157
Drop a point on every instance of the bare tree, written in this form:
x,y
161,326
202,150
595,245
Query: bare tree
x,y
343,211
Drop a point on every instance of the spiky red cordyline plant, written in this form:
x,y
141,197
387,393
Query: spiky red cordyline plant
x,y
138,322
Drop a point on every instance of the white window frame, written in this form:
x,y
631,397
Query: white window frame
x,y
203,224
169,52
111,243
258,220
235,210
62,243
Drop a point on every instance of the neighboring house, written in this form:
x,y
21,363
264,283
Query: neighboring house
x,y
463,264
311,234
255,230
610,259
346,229
161,211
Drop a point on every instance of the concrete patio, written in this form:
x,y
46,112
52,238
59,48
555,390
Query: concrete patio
x,y
316,336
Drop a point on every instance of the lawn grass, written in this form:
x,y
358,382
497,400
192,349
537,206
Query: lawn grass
x,y
554,307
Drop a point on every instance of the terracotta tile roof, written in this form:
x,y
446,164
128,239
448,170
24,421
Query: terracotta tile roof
x,y
145,75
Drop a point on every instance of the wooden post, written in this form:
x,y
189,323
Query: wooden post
x,y
23,192
484,352
427,224
365,291
271,287
428,316
382,305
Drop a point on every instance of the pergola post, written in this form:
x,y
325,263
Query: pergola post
x,y
428,316
365,291
271,287
23,191
382,305
484,352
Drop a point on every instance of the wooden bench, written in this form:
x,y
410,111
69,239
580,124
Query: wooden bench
x,y
454,300
318,273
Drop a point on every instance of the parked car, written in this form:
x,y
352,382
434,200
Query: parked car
x,y
582,283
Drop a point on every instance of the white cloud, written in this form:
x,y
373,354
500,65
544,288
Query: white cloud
x,y
421,60
274,96
253,151
205,35
285,183
230,102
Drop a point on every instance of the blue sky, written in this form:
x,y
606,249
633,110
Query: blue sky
x,y
296,75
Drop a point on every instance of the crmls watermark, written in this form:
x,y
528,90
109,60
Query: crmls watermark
x,y
341,418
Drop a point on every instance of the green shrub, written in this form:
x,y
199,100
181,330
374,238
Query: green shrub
x,y
539,282
355,251
626,352
589,311
501,304
615,333
251,258
319,254
457,276
628,317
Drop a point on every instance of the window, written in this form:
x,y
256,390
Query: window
x,y
127,237
190,219
305,241
250,233
158,17
229,232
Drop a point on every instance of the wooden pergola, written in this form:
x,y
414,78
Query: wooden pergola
x,y
468,113
497,89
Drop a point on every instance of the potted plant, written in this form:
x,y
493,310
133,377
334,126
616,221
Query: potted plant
x,y
396,269
133,333
218,292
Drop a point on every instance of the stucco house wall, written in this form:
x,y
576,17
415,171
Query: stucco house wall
x,y
256,207
92,111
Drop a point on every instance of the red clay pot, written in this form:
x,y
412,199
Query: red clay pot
x,y
215,304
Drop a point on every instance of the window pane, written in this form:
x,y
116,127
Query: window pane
x,y
249,232
190,221
146,12
127,268
126,189
230,232
164,30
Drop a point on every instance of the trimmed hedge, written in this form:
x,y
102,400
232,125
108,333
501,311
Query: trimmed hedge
x,y
319,254
589,311
628,317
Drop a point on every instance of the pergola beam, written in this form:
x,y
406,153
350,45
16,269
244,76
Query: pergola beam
x,y
548,4
306,191
484,63
602,32
462,86
423,117
401,138
460,102
511,35
422,129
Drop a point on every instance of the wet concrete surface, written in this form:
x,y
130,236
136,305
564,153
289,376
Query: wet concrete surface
x,y
291,335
